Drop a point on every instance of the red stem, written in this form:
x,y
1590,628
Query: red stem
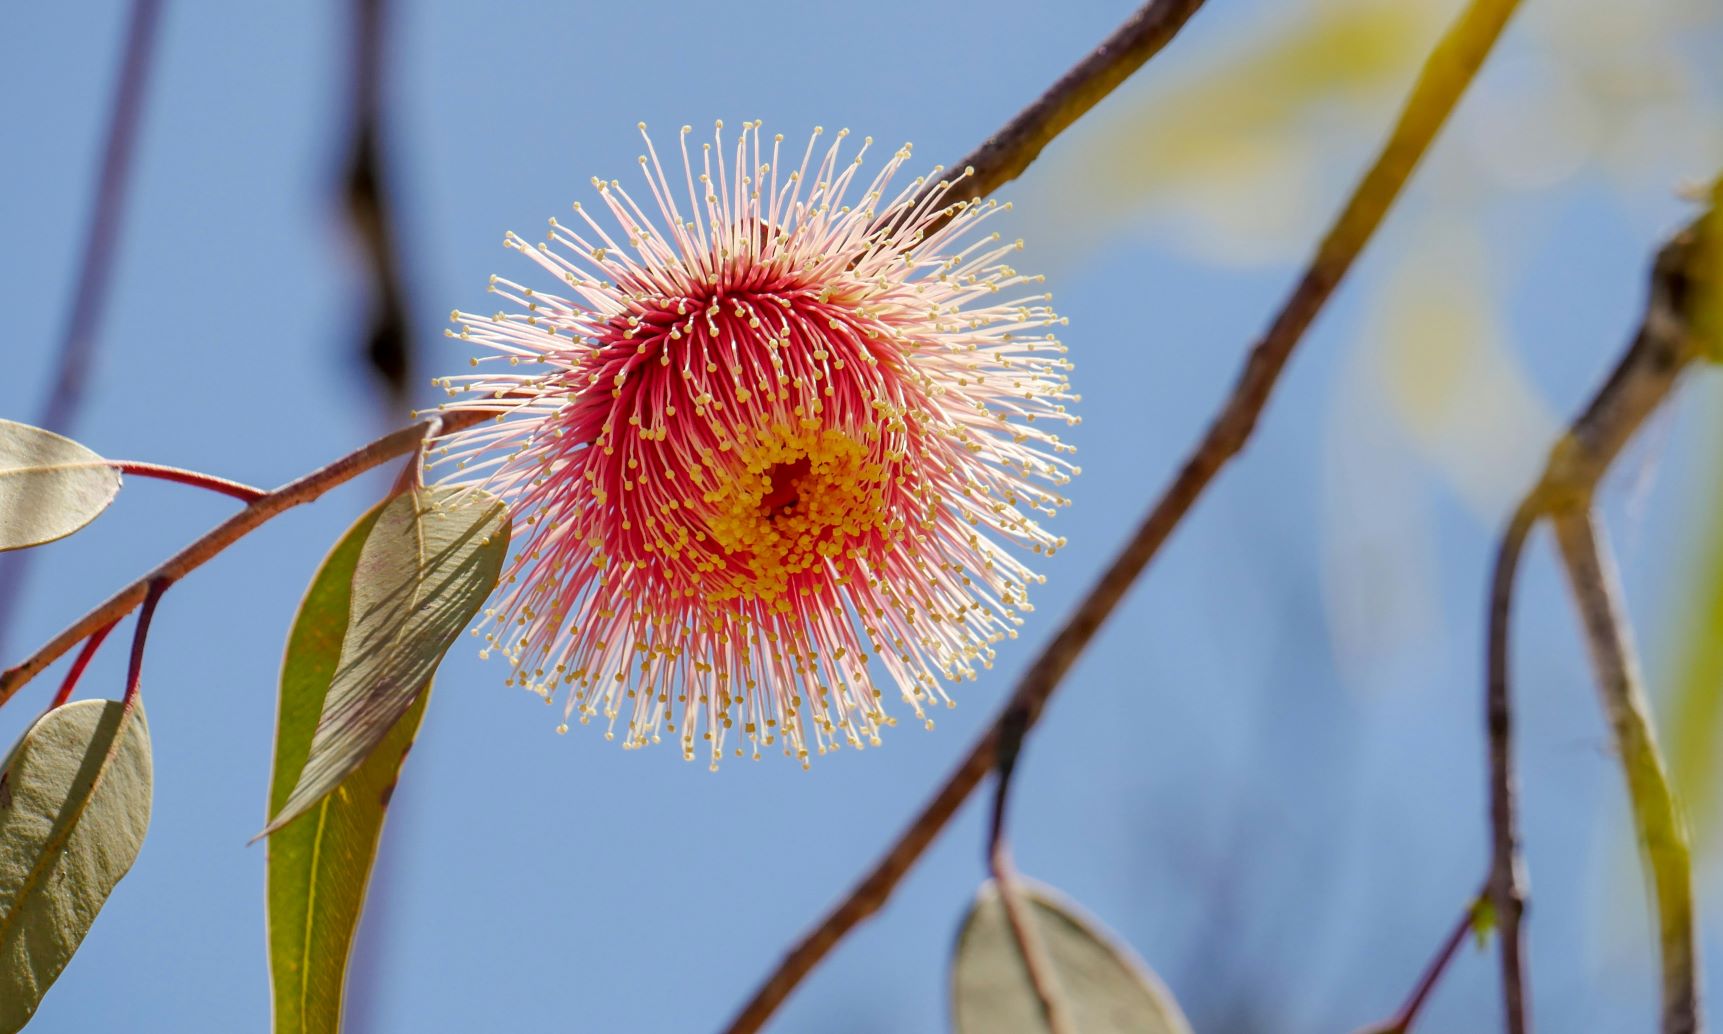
x,y
239,491
134,673
82,661
1433,972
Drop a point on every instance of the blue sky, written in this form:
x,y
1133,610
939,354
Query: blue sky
x,y
1282,830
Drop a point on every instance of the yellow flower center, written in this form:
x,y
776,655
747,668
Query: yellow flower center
x,y
801,498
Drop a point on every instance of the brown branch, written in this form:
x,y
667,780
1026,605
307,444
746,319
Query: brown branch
x,y
1506,882
89,296
1671,338
294,493
1443,79
1005,154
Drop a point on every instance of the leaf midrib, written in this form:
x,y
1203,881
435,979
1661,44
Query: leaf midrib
x,y
323,805
63,831
311,914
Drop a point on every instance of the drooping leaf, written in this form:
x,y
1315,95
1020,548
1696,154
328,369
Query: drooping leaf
x,y
429,561
50,486
320,863
74,805
1105,989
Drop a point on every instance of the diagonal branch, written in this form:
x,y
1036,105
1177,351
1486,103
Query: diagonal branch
x,y
1004,155
1446,73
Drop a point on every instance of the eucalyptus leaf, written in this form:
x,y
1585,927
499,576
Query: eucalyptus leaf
x,y
320,863
50,486
1103,987
74,805
428,562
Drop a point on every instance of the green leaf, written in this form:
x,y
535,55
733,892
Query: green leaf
x,y
320,863
74,805
50,486
1104,987
430,559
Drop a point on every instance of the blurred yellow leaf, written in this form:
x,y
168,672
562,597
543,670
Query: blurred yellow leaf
x,y
1439,354
1248,124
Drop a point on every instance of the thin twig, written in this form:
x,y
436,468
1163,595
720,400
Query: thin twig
x,y
88,301
135,669
1408,1014
79,663
1662,832
1686,270
294,493
1506,883
1445,75
179,475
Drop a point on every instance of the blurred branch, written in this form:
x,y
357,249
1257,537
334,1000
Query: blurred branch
x,y
388,338
89,297
1444,77
1676,331
295,493
1506,882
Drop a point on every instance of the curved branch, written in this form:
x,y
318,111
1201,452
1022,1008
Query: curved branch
x,y
179,475
1446,73
1672,336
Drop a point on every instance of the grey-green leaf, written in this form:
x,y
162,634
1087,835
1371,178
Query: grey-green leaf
x,y
1102,985
50,486
320,863
74,805
427,565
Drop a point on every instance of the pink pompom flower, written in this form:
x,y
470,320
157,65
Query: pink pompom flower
x,y
764,452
